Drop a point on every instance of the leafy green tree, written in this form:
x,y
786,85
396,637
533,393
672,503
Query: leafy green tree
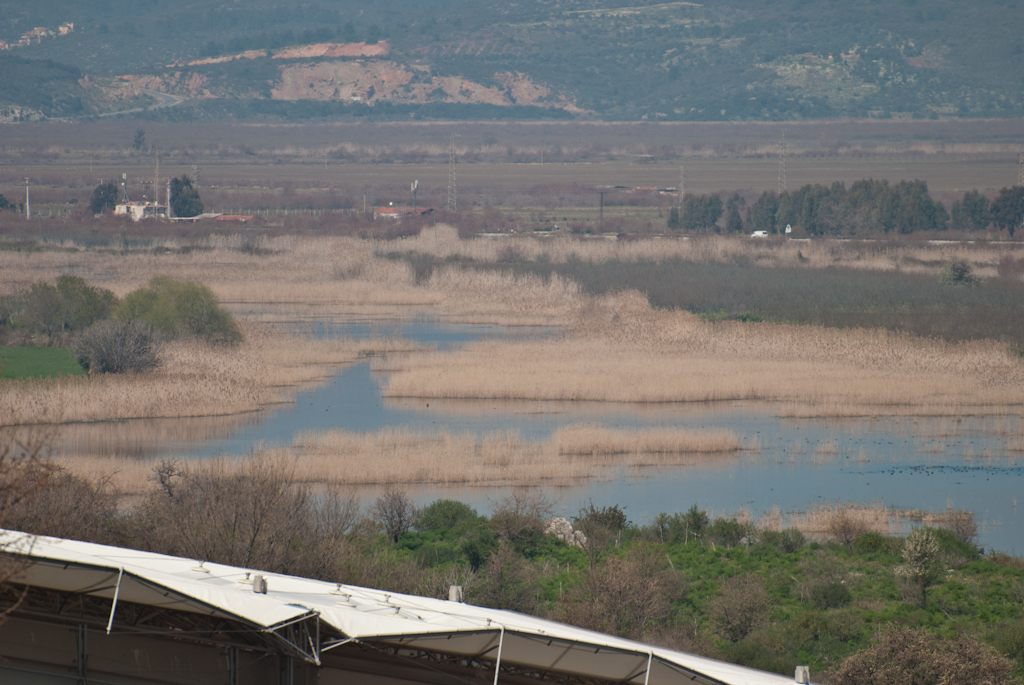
x,y
4,202
701,213
139,142
71,305
445,514
1007,210
179,309
975,210
675,220
761,215
185,200
733,218
104,196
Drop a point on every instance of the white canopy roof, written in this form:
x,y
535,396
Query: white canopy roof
x,y
358,613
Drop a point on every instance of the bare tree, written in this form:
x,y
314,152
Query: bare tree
x,y
117,347
25,469
961,523
628,596
254,517
395,511
903,656
519,518
740,608
600,527
509,582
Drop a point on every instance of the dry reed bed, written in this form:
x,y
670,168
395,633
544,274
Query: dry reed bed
x,y
325,275
824,518
443,242
345,271
621,350
572,455
591,439
194,380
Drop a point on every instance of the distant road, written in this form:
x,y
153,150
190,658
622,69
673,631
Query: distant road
x,y
162,100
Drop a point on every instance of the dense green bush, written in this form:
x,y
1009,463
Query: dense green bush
x,y
185,200
873,543
72,305
445,514
725,532
104,196
179,309
829,595
788,541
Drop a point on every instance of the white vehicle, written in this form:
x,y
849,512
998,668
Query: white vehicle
x,y
759,234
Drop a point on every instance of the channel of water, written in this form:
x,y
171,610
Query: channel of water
x,y
911,462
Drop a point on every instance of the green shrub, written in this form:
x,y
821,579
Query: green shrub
x,y
950,544
958,272
445,514
179,309
873,543
72,305
829,595
725,532
788,541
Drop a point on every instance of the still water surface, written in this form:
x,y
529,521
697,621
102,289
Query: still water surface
x,y
920,463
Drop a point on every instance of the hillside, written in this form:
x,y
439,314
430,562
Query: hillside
x,y
605,59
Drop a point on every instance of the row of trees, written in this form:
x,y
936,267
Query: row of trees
x,y
866,207
185,200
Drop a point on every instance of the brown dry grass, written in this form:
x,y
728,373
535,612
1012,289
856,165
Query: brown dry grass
x,y
621,350
502,458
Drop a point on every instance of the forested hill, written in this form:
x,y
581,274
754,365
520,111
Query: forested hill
x,y
605,59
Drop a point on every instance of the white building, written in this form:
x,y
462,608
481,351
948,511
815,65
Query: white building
x,y
140,210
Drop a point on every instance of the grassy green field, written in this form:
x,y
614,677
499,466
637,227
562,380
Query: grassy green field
x,y
38,362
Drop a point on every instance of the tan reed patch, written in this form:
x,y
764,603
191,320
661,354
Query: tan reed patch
x,y
621,350
403,456
591,439
823,519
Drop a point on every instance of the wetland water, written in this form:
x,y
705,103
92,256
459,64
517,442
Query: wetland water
x,y
913,463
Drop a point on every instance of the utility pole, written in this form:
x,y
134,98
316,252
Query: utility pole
x,y
156,180
124,186
1020,168
28,202
601,193
451,174
782,164
169,215
415,186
